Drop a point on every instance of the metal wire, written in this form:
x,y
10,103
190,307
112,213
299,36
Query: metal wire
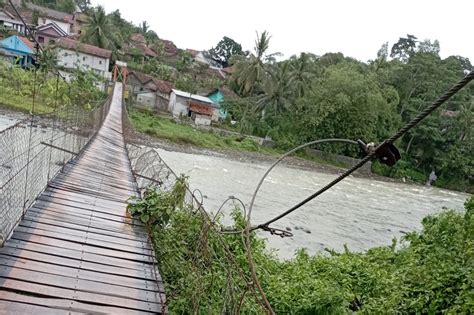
x,y
27,165
425,113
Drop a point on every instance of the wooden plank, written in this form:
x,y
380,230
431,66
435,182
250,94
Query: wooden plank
x,y
86,297
115,229
69,257
78,249
60,305
89,233
83,239
17,308
64,243
75,282
97,276
75,211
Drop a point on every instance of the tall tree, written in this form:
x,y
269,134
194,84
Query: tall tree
x,y
250,71
277,90
302,73
224,50
84,5
99,31
404,48
144,27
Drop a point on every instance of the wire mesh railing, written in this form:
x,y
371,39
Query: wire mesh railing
x,y
34,150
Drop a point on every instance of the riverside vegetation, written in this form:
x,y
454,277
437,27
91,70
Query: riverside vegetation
x,y
426,272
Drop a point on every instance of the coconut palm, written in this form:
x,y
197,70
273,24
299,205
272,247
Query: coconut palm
x,y
250,71
277,89
99,31
302,73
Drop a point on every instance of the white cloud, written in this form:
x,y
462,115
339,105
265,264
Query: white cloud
x,y
355,28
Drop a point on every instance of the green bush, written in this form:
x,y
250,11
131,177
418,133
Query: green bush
x,y
432,271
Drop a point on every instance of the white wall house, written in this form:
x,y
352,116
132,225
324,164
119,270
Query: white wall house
x,y
47,15
76,55
65,26
8,20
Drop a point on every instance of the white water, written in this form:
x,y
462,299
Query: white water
x,y
361,213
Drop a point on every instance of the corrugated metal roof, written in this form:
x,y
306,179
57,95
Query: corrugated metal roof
x,y
193,96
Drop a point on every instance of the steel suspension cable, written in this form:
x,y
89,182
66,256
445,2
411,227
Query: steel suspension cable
x,y
421,116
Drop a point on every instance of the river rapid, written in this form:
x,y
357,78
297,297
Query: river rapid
x,y
359,212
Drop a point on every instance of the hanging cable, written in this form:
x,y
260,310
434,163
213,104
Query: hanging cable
x,y
380,148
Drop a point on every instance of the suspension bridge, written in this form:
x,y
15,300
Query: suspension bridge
x,y
69,244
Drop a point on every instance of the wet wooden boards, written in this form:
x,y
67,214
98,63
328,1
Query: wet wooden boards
x,y
77,251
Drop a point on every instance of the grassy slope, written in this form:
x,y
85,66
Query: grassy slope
x,y
22,103
168,129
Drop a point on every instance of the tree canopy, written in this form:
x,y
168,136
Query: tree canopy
x,y
224,50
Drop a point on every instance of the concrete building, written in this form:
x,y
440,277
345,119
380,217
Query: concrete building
x,y
48,33
149,91
46,16
200,109
9,20
17,49
76,55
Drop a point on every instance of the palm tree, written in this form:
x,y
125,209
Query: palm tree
x,y
302,73
99,31
277,90
250,71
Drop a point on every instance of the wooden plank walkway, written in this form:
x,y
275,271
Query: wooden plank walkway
x,y
77,251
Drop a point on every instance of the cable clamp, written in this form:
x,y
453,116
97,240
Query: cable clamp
x,y
279,232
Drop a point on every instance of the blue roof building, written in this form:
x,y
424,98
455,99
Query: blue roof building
x,y
20,50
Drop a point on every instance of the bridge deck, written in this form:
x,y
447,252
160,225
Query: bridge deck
x,y
77,250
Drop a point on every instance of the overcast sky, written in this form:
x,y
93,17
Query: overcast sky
x,y
356,28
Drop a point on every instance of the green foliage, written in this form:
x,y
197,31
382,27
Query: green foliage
x,y
67,6
432,271
164,128
99,30
309,97
17,87
224,50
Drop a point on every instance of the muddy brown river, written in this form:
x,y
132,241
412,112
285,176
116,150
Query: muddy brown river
x,y
359,212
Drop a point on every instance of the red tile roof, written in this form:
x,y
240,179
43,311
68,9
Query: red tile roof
x,y
27,42
138,38
71,44
170,47
163,86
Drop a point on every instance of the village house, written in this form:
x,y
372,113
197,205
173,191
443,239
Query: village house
x,y
217,96
200,109
47,16
48,33
17,49
73,54
149,91
8,20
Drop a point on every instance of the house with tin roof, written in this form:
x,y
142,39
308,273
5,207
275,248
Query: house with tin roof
x,y
9,20
200,109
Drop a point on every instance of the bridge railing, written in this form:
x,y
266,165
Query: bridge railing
x,y
34,150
